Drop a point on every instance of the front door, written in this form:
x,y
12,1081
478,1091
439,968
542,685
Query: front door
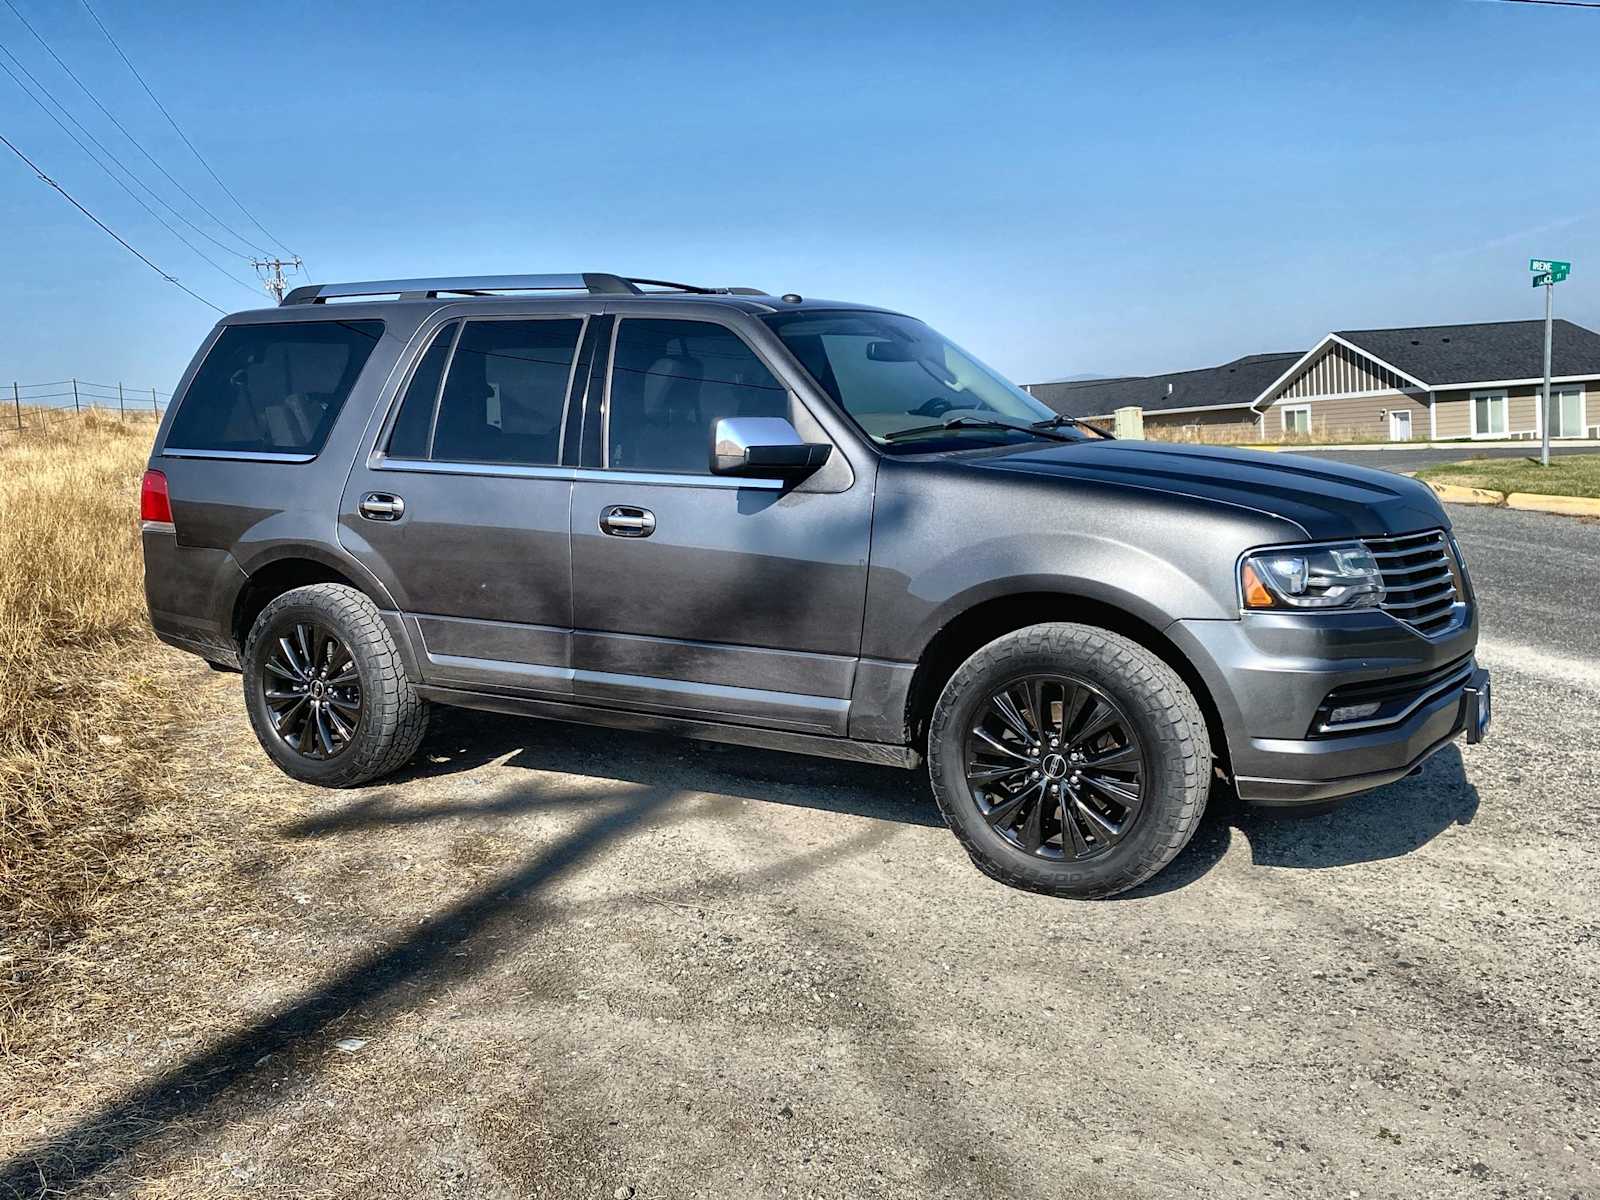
x,y
706,596
1400,425
461,509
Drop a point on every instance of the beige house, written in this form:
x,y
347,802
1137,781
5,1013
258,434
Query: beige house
x,y
1434,382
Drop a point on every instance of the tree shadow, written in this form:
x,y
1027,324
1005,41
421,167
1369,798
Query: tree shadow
x,y
463,939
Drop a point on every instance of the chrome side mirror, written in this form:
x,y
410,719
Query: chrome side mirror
x,y
766,446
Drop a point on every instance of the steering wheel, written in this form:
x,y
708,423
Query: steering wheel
x,y
935,407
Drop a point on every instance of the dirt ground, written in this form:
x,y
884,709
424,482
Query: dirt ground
x,y
556,961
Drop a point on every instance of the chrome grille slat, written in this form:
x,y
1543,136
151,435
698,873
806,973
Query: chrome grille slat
x,y
1420,584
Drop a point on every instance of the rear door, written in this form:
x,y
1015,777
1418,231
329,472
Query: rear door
x,y
706,596
460,504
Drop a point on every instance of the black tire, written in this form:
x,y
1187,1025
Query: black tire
x,y
389,718
1165,735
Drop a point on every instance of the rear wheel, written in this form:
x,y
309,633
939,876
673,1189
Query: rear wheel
x,y
1069,760
326,689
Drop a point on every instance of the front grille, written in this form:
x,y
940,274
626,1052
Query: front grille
x,y
1387,701
1420,583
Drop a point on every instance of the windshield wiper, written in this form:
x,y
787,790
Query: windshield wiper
x,y
1057,422
965,421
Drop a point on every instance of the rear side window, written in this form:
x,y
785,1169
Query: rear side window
x,y
273,389
414,426
505,392
670,383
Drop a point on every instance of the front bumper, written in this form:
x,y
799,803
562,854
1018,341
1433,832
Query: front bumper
x,y
1270,674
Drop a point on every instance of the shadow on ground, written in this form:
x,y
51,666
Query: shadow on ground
x,y
463,938
1384,823
462,740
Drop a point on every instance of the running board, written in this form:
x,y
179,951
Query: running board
x,y
877,753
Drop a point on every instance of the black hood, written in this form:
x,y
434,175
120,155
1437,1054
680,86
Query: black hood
x,y
1326,499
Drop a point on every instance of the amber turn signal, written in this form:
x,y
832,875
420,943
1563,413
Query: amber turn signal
x,y
1255,592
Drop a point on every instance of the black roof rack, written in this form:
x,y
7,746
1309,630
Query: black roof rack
x,y
593,282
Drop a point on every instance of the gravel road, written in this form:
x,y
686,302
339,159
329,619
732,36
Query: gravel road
x,y
553,961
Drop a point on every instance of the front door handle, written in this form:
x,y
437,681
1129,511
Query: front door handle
x,y
623,520
381,506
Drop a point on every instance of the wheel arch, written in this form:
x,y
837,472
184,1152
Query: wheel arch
x,y
292,567
996,616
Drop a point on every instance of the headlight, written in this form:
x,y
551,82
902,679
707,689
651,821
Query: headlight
x,y
1312,577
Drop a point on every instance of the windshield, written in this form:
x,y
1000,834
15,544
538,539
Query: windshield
x,y
905,384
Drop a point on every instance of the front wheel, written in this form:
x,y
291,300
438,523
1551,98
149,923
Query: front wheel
x,y
1069,760
326,690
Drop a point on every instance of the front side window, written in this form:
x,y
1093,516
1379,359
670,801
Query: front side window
x,y
505,390
1489,412
273,388
908,387
671,381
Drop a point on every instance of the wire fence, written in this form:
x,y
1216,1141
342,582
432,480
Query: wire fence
x,y
25,406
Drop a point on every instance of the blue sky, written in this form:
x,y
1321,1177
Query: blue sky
x,y
1063,188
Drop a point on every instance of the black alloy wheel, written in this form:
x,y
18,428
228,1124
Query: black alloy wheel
x,y
312,691
1055,767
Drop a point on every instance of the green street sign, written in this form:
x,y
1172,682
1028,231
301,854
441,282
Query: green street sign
x,y
1541,280
1542,266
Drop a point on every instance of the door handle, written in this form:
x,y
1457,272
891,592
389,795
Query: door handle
x,y
381,506
623,520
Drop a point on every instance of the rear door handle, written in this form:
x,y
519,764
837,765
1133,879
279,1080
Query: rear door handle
x,y
382,506
623,520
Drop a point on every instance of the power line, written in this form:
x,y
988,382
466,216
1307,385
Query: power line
x,y
178,129
172,279
104,149
84,88
1558,3
155,215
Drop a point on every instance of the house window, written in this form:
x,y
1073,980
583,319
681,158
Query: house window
x,y
1567,412
1488,414
1297,419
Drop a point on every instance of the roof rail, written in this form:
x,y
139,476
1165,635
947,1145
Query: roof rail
x,y
595,283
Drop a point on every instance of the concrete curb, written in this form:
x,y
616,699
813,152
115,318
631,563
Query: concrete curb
x,y
1566,506
1452,493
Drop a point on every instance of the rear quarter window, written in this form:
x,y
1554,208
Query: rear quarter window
x,y
273,389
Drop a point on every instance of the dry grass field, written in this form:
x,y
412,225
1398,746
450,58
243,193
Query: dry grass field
x,y
83,690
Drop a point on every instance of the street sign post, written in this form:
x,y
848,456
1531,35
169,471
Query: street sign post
x,y
1547,272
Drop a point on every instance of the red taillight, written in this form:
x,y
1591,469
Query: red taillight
x,y
154,504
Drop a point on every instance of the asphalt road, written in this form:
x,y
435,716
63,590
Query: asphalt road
x,y
554,961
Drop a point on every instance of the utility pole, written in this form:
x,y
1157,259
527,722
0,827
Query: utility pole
x,y
1549,313
271,272
1547,272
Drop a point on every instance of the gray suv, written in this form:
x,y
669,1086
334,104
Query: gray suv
x,y
797,524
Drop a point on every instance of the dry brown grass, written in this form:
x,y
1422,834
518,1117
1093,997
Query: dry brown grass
x,y
84,696
1241,434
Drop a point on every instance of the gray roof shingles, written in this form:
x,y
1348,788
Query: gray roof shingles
x,y
1438,355
1443,355
1237,382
